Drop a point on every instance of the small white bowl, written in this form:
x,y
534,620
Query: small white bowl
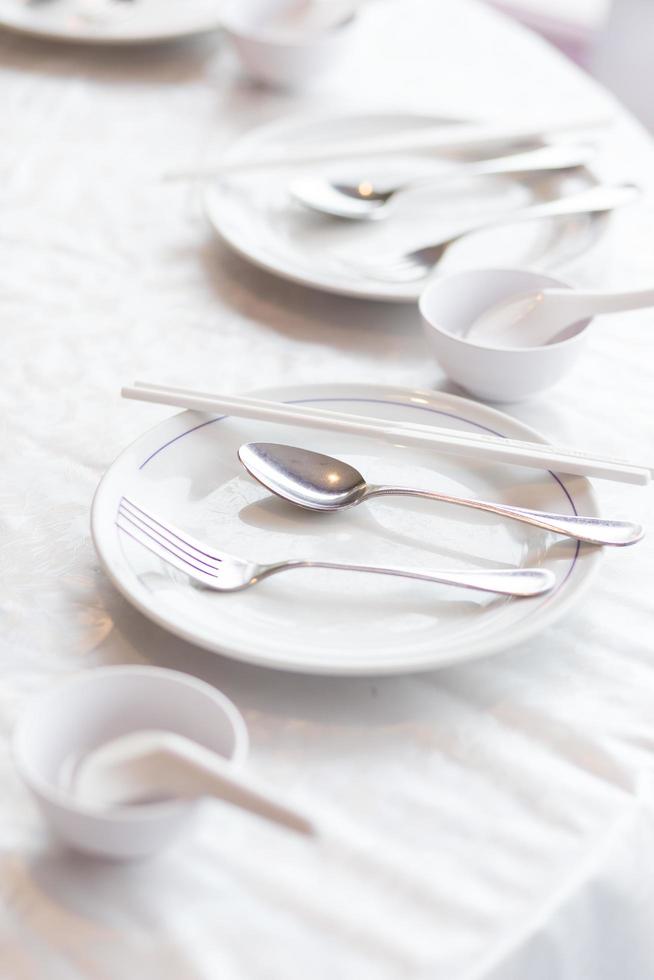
x,y
450,304
92,707
280,57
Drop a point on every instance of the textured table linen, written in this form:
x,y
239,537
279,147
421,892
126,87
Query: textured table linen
x,y
489,821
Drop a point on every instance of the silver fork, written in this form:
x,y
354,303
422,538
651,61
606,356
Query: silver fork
x,y
228,573
420,262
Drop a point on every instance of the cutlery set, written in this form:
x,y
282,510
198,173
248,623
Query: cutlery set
x,y
314,481
321,483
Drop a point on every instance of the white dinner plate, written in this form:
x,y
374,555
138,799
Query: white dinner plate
x,y
320,621
110,21
257,217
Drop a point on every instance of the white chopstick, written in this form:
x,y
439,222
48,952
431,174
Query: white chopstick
x,y
451,136
447,441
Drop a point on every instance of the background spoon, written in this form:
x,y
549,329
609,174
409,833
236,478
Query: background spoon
x,y
363,200
318,482
421,262
542,316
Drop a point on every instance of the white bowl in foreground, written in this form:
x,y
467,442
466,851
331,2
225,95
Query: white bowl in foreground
x,y
449,306
90,708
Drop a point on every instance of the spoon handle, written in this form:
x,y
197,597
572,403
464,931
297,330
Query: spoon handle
x,y
220,779
579,304
557,157
597,199
593,530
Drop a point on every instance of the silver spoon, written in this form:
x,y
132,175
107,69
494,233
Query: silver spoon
x,y
317,482
363,200
420,262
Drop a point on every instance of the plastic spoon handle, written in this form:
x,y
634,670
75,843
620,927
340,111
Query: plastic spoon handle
x,y
151,765
578,304
218,778
543,316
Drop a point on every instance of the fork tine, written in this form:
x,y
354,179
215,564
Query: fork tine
x,y
168,530
166,555
169,538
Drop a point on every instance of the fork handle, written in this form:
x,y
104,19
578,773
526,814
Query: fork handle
x,y
593,530
513,581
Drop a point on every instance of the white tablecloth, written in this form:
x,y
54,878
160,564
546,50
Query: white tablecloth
x,y
488,821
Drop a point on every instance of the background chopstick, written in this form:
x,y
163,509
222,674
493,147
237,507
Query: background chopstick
x,y
451,136
448,441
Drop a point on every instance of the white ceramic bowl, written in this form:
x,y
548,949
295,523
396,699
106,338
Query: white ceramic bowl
x,y
283,58
92,707
450,304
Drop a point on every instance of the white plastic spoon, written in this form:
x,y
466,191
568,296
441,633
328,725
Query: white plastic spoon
x,y
543,316
152,766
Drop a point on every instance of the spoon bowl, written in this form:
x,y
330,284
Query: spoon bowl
x,y
451,304
309,480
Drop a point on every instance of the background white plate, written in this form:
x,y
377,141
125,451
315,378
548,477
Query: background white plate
x,y
110,21
186,470
256,215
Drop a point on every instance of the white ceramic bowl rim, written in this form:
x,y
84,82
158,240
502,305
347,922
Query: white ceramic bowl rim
x,y
55,795
504,349
277,38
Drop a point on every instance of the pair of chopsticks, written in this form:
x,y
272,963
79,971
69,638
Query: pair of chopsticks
x,y
448,441
447,137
